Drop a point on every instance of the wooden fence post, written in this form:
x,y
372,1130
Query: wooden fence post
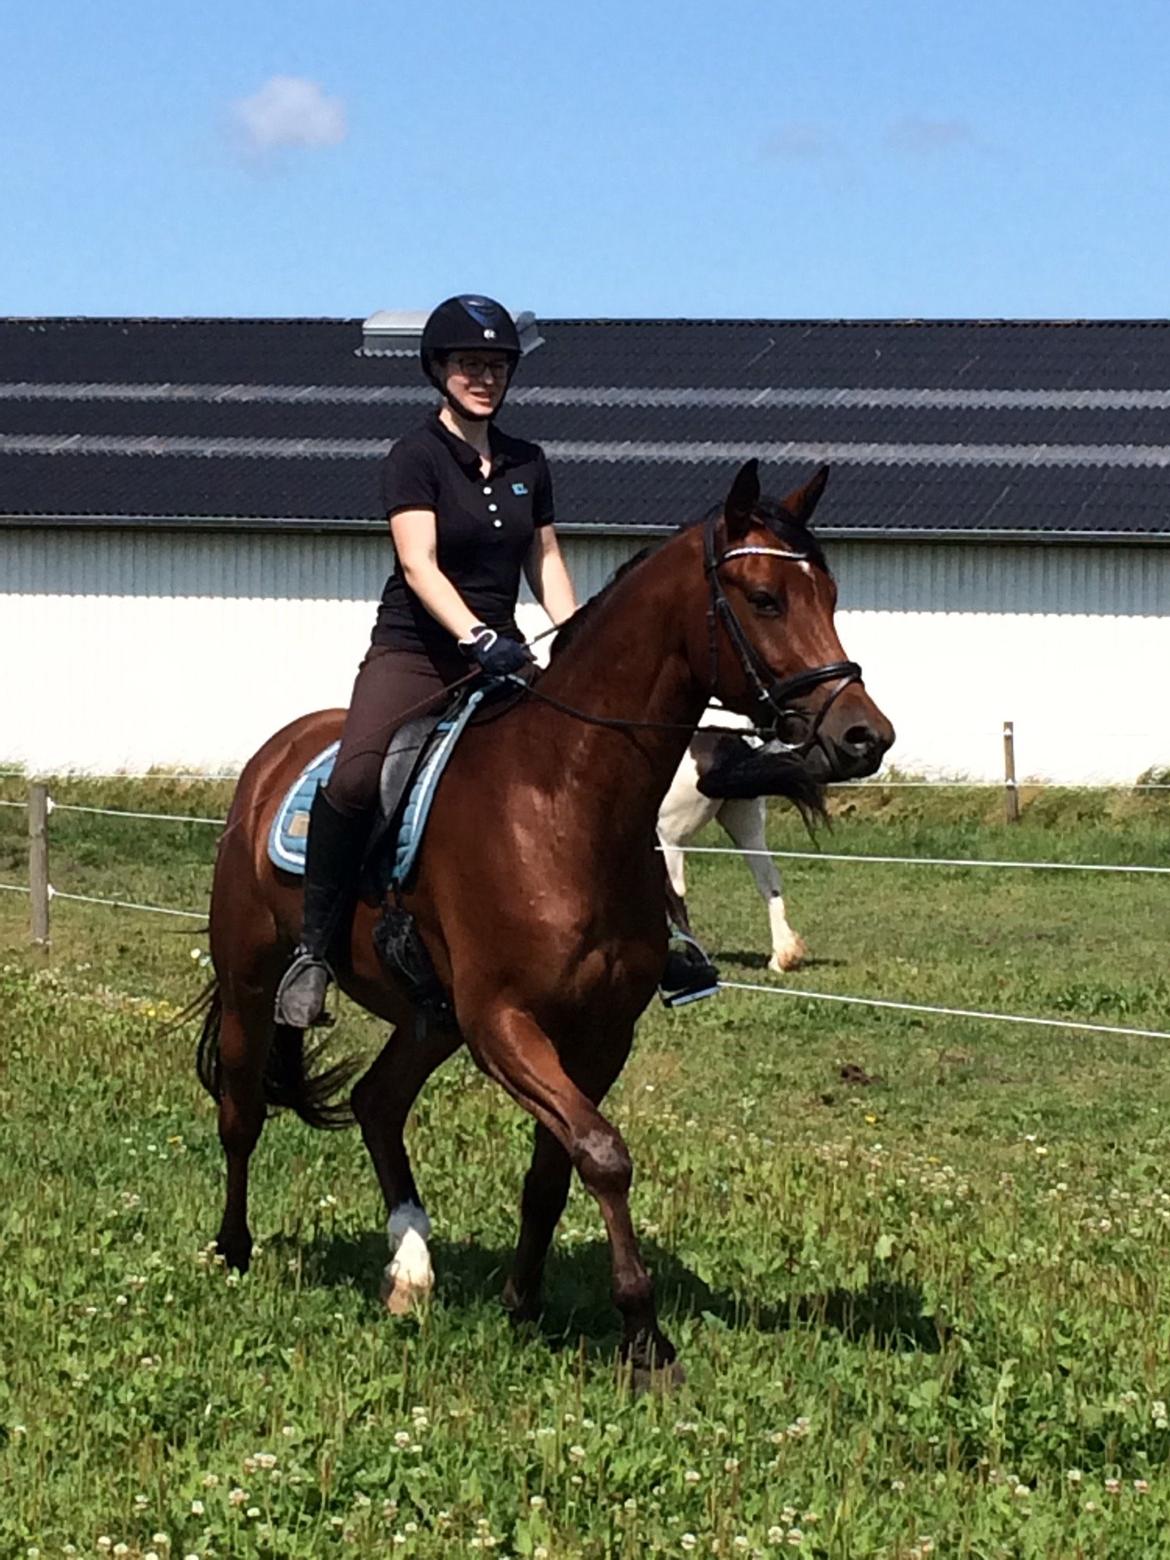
x,y
38,861
1011,794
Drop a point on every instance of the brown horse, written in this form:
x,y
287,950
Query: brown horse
x,y
539,894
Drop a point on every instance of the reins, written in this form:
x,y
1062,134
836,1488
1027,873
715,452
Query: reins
x,y
771,691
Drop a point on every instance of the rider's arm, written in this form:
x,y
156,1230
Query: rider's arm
x,y
545,565
549,577
416,544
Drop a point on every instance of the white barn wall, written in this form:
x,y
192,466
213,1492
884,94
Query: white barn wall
x,y
125,648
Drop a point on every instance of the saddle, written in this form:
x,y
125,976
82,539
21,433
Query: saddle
x,y
416,758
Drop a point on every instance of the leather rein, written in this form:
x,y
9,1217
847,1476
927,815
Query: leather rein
x,y
772,692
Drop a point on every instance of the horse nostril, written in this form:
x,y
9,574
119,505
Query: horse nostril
x,y
860,738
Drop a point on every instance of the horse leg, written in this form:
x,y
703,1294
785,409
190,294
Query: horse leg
x,y
244,1041
381,1101
546,1190
512,1048
742,819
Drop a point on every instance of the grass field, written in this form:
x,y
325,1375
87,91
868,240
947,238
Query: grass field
x,y
927,1313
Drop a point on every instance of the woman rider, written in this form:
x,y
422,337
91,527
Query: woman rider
x,y
469,508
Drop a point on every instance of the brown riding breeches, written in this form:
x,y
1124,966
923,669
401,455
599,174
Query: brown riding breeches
x,y
392,686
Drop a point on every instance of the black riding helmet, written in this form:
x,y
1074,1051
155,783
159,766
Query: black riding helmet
x,y
464,324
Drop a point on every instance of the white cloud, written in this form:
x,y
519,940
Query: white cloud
x,y
796,142
919,137
288,111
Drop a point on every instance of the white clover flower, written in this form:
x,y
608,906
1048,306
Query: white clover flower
x,y
410,1527
197,1508
253,1512
402,1438
1141,1486
577,1453
691,1476
1113,1486
1074,1476
536,1502
210,1481
237,1496
730,1464
105,1543
161,1539
688,1540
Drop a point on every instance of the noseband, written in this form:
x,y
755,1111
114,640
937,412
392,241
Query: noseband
x,y
773,692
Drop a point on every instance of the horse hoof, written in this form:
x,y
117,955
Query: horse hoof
x,y
523,1310
790,958
236,1254
659,1379
400,1296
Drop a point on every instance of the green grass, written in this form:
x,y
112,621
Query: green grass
x,y
927,1313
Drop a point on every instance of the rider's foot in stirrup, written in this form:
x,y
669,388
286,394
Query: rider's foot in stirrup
x,y
300,997
689,975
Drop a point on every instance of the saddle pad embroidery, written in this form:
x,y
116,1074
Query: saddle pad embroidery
x,y
290,828
288,836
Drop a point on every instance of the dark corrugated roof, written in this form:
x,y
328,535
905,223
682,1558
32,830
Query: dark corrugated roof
x,y
932,427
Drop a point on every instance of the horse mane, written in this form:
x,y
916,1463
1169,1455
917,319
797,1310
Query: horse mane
x,y
768,512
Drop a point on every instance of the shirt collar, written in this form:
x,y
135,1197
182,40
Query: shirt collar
x,y
468,458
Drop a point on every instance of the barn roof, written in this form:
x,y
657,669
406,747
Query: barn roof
x,y
1044,430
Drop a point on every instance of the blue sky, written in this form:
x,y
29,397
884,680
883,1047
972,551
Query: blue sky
x,y
831,158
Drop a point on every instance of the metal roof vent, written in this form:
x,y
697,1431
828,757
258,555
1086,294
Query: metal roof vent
x,y
398,333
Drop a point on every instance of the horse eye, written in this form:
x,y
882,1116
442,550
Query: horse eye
x,y
764,601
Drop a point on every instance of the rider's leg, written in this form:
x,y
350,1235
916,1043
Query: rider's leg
x,y
391,686
689,975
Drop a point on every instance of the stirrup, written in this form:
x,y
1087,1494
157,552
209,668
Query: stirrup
x,y
300,996
689,975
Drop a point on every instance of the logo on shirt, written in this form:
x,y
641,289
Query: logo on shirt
x,y
520,489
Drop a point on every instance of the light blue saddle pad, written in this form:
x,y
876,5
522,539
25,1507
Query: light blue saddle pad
x,y
289,833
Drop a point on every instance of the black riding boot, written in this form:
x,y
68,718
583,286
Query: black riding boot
x,y
689,975
332,857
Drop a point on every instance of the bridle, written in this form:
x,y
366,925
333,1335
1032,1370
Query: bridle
x,y
774,693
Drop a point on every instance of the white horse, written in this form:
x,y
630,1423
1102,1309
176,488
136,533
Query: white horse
x,y
685,811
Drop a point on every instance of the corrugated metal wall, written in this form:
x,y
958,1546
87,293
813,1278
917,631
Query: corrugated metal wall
x,y
126,648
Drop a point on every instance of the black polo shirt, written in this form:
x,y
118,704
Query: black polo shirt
x,y
484,527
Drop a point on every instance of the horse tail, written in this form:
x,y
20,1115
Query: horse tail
x,y
292,1080
739,770
210,1004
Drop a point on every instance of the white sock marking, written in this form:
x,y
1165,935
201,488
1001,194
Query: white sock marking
x,y
409,1228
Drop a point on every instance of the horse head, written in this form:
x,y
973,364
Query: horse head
x,y
771,647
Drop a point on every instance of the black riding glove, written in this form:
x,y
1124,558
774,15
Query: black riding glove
x,y
496,655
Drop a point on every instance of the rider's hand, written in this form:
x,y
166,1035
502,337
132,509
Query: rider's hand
x,y
495,654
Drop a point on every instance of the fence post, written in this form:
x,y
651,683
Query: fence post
x,y
1011,794
38,861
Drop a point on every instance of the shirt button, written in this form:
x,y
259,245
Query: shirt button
x,y
497,523
492,509
487,490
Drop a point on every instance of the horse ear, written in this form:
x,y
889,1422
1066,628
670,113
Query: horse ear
x,y
740,503
801,502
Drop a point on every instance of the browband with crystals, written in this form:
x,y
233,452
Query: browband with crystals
x,y
762,552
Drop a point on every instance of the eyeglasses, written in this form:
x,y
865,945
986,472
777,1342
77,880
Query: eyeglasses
x,y
480,368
